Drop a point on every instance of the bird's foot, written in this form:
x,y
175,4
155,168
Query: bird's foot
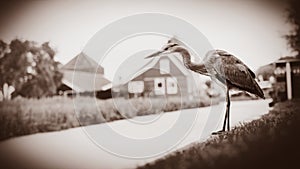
x,y
218,132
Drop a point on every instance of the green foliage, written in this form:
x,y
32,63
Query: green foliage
x,y
30,68
269,142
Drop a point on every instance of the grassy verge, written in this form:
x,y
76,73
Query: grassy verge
x,y
27,116
270,142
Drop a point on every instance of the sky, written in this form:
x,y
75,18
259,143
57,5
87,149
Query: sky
x,y
251,30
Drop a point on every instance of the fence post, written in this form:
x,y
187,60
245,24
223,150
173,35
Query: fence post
x,y
288,80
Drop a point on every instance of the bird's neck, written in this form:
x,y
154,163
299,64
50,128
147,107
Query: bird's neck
x,y
186,58
200,68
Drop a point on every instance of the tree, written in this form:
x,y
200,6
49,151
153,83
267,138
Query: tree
x,y
294,18
3,48
265,71
30,68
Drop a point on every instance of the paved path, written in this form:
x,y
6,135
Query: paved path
x,y
73,148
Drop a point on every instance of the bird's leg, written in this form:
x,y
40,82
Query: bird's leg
x,y
224,124
228,110
226,115
225,119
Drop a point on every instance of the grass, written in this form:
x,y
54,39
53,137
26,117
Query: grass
x,y
22,116
269,142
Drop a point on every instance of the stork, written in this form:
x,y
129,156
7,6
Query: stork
x,y
224,68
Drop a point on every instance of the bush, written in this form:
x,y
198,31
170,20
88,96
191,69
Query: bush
x,y
26,116
22,116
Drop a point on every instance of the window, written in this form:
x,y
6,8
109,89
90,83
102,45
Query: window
x,y
136,86
164,66
159,86
172,85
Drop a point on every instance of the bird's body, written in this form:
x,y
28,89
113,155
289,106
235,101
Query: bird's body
x,y
227,69
224,68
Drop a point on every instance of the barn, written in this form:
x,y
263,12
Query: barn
x,y
164,76
83,75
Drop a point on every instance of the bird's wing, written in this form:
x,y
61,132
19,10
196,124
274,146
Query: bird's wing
x,y
231,59
236,73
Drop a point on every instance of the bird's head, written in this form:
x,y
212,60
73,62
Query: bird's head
x,y
167,49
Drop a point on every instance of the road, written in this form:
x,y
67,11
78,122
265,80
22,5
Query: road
x,y
141,139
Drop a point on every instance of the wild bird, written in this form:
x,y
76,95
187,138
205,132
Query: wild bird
x,y
224,68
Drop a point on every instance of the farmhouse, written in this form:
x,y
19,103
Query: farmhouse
x,y
165,76
82,74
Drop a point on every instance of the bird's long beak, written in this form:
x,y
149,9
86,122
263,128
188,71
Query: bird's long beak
x,y
155,54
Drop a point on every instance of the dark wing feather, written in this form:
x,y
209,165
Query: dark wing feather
x,y
229,58
237,73
239,76
251,72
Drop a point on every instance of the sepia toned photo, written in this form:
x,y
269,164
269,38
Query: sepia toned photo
x,y
189,84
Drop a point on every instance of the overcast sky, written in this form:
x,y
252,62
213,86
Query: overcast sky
x,y
251,30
